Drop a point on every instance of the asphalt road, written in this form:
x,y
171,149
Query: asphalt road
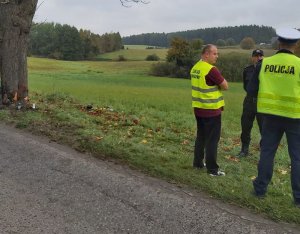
x,y
49,188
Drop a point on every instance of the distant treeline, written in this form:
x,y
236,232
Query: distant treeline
x,y
260,34
65,42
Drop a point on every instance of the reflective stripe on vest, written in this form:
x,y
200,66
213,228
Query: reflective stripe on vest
x,y
204,96
279,86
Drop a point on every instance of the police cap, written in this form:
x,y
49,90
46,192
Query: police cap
x,y
288,35
257,52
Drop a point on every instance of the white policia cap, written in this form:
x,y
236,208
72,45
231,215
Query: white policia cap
x,y
288,35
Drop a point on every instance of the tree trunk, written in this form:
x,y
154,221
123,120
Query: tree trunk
x,y
15,22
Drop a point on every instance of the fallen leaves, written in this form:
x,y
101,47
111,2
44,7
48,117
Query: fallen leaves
x,y
226,148
282,171
97,138
111,116
232,158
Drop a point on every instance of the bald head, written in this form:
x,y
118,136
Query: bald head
x,y
209,54
207,48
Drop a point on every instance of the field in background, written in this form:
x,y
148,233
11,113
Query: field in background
x,y
139,52
224,51
147,122
141,47
135,53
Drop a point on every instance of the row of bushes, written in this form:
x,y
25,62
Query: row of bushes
x,y
231,67
169,69
151,57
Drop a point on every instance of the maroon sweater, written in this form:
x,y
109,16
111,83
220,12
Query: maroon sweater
x,y
213,78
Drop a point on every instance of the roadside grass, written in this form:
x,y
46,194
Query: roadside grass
x,y
147,123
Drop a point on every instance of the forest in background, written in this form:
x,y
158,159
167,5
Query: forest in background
x,y
53,40
65,42
231,35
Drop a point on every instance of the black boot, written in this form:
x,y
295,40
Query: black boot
x,y
244,151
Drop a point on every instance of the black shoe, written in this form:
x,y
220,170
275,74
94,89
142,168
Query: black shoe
x,y
243,154
244,151
257,195
297,203
217,173
200,167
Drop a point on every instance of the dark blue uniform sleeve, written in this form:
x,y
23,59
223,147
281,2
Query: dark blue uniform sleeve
x,y
245,83
253,85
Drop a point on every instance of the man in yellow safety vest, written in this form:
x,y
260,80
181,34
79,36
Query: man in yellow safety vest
x,y
208,102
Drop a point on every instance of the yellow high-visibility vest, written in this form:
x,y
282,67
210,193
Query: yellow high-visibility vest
x,y
204,96
279,86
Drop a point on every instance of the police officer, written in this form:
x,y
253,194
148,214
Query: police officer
x,y
277,82
249,105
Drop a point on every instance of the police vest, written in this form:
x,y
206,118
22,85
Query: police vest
x,y
279,86
204,96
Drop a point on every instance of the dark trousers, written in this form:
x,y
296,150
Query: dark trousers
x,y
273,129
247,119
206,145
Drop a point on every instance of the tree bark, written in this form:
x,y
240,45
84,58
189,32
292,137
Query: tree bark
x,y
15,22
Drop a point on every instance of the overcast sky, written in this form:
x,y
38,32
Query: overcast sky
x,y
105,16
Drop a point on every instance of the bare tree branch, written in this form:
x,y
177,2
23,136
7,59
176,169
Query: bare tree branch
x,y
125,2
39,5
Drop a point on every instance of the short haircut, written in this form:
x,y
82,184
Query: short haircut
x,y
287,45
207,48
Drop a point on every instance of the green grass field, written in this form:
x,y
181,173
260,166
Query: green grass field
x,y
135,53
147,122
